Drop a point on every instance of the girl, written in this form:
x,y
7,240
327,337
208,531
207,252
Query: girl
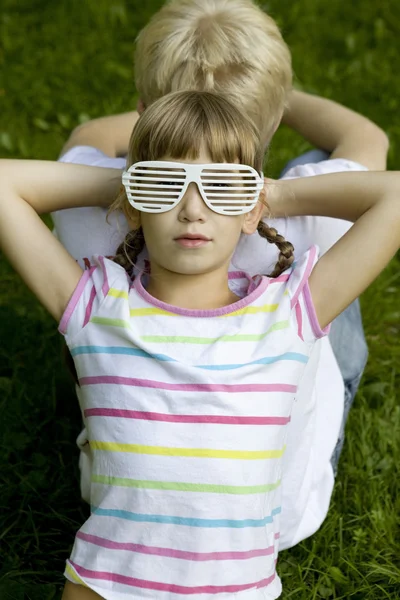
x,y
188,374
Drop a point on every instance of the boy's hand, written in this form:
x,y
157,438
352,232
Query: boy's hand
x,y
338,130
269,197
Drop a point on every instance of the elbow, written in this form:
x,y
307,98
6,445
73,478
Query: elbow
x,y
91,134
378,140
382,139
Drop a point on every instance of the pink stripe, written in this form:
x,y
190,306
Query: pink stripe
x,y
168,418
89,306
237,275
306,274
299,318
171,552
105,287
169,587
62,328
281,278
188,387
312,315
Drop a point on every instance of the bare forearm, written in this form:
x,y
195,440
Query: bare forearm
x,y
337,129
49,186
341,195
109,134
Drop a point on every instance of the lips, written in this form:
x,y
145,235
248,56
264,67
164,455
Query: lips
x,y
193,236
192,240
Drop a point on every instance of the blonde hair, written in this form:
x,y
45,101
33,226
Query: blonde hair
x,y
230,47
179,126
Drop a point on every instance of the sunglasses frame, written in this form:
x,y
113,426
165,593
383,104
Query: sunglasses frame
x,y
193,174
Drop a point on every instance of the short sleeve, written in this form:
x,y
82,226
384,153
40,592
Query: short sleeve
x,y
305,231
334,165
88,296
303,314
87,231
92,157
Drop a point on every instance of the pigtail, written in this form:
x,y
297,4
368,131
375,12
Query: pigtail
x,y
286,250
129,250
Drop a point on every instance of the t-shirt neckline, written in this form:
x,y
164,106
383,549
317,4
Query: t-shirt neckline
x,y
256,286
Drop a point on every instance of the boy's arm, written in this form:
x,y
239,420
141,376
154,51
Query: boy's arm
x,y
371,201
338,130
29,188
109,134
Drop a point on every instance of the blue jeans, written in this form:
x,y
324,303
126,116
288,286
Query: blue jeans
x,y
346,336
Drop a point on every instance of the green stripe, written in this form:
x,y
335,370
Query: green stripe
x,y
186,487
226,338
111,322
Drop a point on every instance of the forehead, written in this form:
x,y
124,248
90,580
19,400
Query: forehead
x,y
203,157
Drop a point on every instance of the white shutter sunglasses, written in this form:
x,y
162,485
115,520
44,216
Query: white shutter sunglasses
x,y
159,186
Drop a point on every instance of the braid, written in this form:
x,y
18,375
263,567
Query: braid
x,y
286,250
129,250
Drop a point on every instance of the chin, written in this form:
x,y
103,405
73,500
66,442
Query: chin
x,y
190,267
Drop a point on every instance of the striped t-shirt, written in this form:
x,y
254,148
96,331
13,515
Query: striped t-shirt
x,y
186,412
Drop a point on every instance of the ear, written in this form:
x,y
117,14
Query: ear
x,y
140,107
252,218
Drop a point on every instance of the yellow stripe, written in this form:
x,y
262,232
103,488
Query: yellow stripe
x,y
74,576
144,312
253,310
117,293
189,452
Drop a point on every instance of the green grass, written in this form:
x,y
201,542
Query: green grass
x,y
65,61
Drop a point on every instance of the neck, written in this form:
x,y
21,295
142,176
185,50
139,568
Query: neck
x,y
205,291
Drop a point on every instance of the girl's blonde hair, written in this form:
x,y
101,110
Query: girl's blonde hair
x,y
179,126
230,47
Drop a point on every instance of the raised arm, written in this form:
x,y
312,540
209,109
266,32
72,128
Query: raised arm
x,y
109,134
338,130
30,188
372,201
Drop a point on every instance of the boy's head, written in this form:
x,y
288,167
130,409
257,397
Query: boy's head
x,y
229,47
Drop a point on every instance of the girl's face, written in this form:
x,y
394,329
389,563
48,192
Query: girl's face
x,y
192,239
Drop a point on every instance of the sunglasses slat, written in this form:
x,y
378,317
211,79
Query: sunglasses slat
x,y
143,180
157,172
237,197
135,184
155,192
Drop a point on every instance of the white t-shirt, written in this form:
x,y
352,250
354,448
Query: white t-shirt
x,y
318,410
188,415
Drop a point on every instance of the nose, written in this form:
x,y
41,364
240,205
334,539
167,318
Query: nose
x,y
192,205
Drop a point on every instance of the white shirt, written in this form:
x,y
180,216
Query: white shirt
x,y
318,410
188,415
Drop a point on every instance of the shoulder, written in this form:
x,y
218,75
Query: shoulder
x,y
90,156
292,281
299,273
291,291
106,271
335,165
101,279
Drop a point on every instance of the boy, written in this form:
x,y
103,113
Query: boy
x,y
232,47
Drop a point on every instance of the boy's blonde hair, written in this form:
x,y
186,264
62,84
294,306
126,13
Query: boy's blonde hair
x,y
178,126
229,47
